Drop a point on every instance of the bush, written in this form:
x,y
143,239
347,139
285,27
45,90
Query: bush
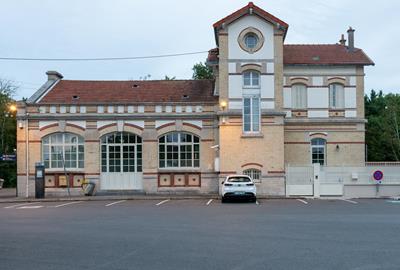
x,y
8,171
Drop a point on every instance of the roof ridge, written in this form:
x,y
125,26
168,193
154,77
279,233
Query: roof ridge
x,y
181,80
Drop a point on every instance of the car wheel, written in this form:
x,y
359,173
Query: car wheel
x,y
223,200
253,200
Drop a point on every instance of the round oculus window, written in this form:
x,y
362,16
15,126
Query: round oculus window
x,y
251,40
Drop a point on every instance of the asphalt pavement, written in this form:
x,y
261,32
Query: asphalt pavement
x,y
201,234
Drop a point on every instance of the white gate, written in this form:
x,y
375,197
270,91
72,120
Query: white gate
x,y
331,181
299,181
121,162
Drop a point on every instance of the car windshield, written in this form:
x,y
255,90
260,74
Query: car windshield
x,y
239,179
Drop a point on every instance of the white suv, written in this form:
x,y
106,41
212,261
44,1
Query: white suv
x,y
238,186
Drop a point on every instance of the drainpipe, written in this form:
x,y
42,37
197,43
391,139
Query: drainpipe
x,y
27,154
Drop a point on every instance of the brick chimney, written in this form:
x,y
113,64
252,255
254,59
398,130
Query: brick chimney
x,y
350,33
342,41
53,75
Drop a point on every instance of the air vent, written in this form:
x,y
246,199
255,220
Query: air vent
x,y
135,86
75,97
316,58
185,96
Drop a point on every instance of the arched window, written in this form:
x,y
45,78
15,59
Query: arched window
x,y
121,152
318,151
299,96
179,150
253,173
61,150
251,79
336,96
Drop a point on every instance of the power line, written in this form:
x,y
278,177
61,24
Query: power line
x,y
102,58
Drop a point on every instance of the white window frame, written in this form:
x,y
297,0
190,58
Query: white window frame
x,y
299,96
336,96
251,73
318,146
48,143
178,143
254,173
252,122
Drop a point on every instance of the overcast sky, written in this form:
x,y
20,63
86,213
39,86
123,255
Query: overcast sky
x,y
118,28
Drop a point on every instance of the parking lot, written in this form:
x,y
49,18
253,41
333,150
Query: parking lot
x,y
201,234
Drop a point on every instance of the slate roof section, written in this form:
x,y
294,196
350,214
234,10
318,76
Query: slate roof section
x,y
125,92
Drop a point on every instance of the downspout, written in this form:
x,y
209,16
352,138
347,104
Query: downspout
x,y
27,155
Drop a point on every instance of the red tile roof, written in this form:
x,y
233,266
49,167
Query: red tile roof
x,y
244,10
334,54
130,92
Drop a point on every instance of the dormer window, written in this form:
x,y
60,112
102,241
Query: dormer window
x,y
251,79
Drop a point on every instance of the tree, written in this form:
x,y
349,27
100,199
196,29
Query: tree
x,y
202,71
383,127
8,169
7,117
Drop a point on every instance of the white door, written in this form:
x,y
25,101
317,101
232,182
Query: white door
x,y
121,162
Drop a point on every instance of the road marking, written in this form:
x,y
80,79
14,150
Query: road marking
x,y
302,201
393,201
209,202
349,201
64,204
257,203
30,207
17,205
115,203
160,203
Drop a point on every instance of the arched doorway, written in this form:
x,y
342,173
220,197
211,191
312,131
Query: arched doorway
x,y
121,161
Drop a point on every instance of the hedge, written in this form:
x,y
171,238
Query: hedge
x,y
8,172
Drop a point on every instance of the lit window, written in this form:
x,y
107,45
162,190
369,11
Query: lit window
x,y
251,79
318,149
251,114
299,96
336,96
179,150
253,173
61,150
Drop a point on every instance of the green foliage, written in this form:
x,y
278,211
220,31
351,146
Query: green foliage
x,y
167,78
383,127
202,71
8,172
7,118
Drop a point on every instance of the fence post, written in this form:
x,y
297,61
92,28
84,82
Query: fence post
x,y
316,169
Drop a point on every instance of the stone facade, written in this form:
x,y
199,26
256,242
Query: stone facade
x,y
246,120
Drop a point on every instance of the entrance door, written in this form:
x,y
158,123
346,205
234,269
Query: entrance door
x,y
121,162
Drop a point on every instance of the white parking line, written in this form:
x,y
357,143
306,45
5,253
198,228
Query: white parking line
x,y
302,201
115,203
17,205
349,201
160,203
64,204
30,207
209,202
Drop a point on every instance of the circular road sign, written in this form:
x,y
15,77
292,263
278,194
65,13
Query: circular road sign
x,y
378,175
